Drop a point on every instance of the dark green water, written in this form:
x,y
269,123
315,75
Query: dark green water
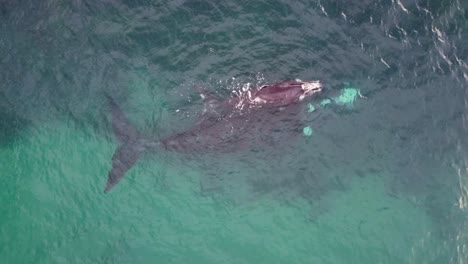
x,y
384,181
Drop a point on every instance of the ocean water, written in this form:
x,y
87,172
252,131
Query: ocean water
x,y
384,180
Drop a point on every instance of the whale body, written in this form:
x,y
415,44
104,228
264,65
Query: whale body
x,y
230,125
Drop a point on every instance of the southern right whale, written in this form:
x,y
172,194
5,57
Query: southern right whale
x,y
228,125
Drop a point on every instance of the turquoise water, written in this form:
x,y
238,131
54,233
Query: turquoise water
x,y
382,181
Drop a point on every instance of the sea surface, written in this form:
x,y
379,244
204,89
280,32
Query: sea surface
x,y
383,179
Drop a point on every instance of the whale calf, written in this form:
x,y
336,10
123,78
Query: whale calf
x,y
224,126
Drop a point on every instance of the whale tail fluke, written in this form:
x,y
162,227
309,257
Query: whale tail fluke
x,y
131,148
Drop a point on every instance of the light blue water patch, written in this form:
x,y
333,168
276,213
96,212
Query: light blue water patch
x,y
310,108
347,96
307,131
325,102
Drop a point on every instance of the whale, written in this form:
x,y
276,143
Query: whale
x,y
240,122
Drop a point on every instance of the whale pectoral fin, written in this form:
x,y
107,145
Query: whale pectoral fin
x,y
207,96
213,106
204,94
123,129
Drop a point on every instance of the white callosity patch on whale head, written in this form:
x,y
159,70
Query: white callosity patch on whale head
x,y
310,88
